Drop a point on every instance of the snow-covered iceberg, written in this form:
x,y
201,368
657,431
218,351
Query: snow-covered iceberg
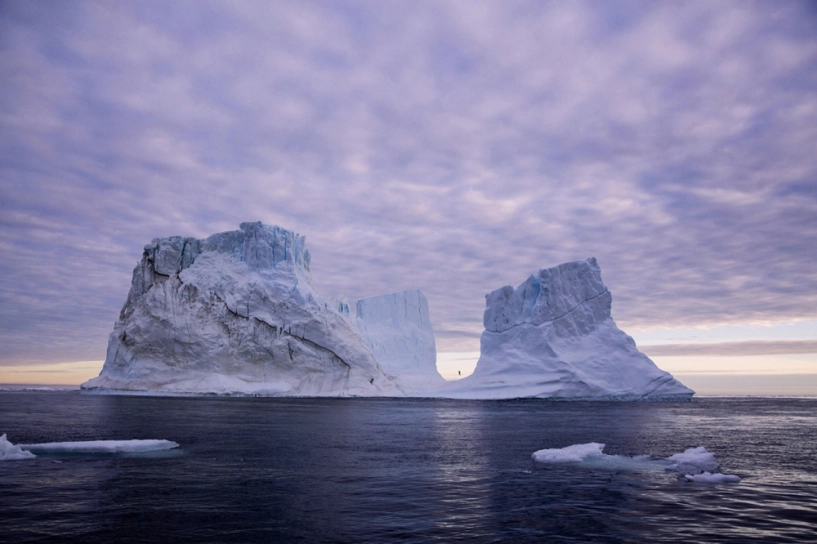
x,y
398,330
693,465
235,313
553,337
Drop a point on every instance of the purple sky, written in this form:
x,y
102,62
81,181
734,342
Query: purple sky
x,y
450,146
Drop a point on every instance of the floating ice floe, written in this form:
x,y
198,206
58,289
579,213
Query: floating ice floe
x,y
102,446
9,451
694,464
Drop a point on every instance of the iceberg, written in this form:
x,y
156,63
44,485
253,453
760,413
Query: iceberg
x,y
693,465
398,330
235,313
553,337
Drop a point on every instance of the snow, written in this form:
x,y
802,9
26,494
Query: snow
x,y
554,337
10,452
235,313
694,464
398,330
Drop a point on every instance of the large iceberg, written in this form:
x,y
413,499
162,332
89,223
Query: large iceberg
x,y
235,313
553,337
398,330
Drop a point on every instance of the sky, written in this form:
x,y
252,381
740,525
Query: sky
x,y
452,146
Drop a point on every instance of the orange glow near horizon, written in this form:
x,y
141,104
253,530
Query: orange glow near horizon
x,y
71,373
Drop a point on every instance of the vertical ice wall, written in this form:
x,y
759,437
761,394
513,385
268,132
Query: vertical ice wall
x,y
398,331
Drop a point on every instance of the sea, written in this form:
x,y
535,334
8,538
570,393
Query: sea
x,y
404,470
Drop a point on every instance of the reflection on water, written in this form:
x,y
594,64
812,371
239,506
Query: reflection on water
x,y
460,473
372,470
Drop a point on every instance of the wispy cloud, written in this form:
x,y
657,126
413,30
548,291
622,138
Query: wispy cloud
x,y
451,146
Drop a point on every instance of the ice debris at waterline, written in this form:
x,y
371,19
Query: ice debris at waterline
x,y
694,464
9,451
553,337
236,313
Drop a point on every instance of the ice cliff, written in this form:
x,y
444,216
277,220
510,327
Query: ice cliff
x,y
235,313
398,331
553,337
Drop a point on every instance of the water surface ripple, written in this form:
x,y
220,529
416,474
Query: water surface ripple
x,y
375,470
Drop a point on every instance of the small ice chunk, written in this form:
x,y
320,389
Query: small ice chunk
x,y
102,446
10,452
694,464
590,455
570,454
694,461
712,478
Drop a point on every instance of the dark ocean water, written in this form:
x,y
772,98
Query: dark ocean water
x,y
374,470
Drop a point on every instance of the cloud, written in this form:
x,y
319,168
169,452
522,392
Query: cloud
x,y
450,146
